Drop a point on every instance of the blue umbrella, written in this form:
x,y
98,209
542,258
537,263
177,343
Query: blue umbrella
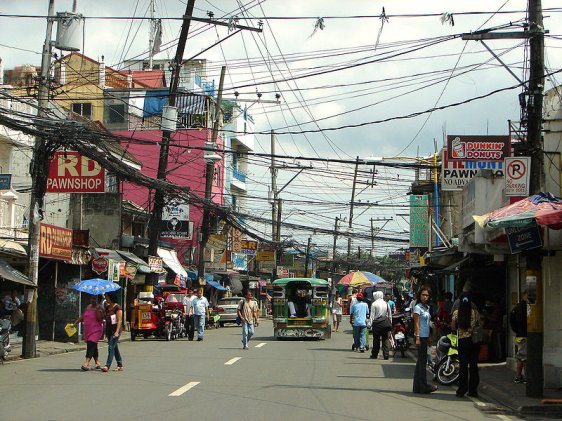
x,y
96,286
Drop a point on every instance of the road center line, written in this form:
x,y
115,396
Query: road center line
x,y
260,345
183,389
232,361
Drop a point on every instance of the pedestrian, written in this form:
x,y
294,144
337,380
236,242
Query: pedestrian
x,y
358,313
390,301
200,307
422,317
113,328
518,322
92,321
248,312
381,323
337,303
188,305
465,319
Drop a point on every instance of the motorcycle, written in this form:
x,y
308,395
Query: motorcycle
x,y
5,347
400,342
446,364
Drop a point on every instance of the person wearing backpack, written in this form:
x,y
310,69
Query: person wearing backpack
x,y
518,322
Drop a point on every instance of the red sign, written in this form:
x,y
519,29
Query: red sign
x,y
478,148
70,172
99,265
55,242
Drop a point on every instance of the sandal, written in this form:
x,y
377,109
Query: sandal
x,y
83,368
104,369
118,369
97,367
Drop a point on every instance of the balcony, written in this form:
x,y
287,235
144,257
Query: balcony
x,y
238,179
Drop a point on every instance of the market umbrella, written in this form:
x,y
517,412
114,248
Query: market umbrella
x,y
96,286
543,209
360,278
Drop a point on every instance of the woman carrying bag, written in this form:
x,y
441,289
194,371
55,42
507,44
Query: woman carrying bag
x,y
467,320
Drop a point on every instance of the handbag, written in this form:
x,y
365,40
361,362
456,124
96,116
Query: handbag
x,y
477,334
241,307
383,323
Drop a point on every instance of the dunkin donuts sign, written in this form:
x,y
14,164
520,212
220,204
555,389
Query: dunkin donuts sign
x,y
478,148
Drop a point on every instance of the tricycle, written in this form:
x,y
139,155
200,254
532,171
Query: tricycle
x,y
151,318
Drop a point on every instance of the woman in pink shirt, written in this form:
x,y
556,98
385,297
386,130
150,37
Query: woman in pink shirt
x,y
92,320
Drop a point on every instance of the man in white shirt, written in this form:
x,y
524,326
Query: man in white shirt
x,y
200,307
380,312
189,323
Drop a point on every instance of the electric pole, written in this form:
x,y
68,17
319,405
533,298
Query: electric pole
x,y
334,247
350,225
307,259
209,176
158,206
273,190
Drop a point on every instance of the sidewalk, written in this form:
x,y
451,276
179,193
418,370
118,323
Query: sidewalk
x,y
497,386
46,348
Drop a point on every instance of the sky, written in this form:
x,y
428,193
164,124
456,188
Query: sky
x,y
354,69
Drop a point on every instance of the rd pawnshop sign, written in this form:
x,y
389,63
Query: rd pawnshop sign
x,y
55,242
70,172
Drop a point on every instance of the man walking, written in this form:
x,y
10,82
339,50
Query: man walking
x,y
358,313
381,322
189,323
248,312
200,307
518,321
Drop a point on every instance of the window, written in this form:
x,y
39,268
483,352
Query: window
x,y
82,108
117,113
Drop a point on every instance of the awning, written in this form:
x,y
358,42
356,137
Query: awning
x,y
11,247
216,285
170,259
142,266
109,254
9,273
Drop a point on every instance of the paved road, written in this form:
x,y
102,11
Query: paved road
x,y
217,380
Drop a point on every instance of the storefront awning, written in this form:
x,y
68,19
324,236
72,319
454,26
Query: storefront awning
x,y
8,273
170,259
216,285
133,258
12,247
453,267
109,254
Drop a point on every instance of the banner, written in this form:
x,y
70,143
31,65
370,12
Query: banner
x,y
419,221
517,175
55,242
70,172
175,221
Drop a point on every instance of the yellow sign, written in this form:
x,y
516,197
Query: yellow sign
x,y
265,256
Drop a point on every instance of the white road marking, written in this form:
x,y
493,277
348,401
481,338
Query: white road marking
x,y
183,389
504,417
232,361
260,345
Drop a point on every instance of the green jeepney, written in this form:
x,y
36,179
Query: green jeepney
x,y
300,308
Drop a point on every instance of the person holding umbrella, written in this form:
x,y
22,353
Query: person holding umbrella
x,y
92,320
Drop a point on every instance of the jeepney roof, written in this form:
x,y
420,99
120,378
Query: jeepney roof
x,y
311,281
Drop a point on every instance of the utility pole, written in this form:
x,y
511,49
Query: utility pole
x,y
39,170
535,335
372,240
350,225
334,247
307,260
158,206
273,190
209,176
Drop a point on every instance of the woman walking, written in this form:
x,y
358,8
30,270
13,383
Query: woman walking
x,y
337,311
466,318
421,326
92,320
113,326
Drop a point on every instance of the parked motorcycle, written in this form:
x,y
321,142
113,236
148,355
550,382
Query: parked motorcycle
x,y
446,364
400,342
5,347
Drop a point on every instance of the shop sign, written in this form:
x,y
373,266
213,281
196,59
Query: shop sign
x,y
5,181
217,241
130,270
175,221
248,247
517,175
99,265
265,256
419,221
55,242
462,148
521,239
236,241
71,172
458,173
155,264
239,261
113,270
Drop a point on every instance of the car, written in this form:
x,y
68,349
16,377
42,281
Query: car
x,y
226,307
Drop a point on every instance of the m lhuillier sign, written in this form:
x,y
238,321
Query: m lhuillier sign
x,y
464,156
70,172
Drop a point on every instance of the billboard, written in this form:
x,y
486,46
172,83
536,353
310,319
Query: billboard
x,y
478,148
70,172
175,221
419,221
55,242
